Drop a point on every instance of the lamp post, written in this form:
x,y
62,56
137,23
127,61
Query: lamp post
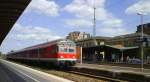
x,y
81,55
142,50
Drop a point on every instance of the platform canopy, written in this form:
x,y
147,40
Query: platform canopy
x,y
10,11
111,47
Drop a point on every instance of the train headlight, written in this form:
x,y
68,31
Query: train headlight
x,y
61,57
73,56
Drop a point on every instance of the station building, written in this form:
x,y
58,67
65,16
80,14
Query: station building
x,y
118,48
76,35
130,45
146,28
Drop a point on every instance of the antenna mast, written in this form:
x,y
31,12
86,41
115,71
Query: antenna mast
x,y
94,21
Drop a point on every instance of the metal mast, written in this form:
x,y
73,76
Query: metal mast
x,y
94,22
94,31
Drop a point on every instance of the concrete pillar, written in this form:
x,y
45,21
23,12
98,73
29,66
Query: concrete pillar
x,y
103,55
122,56
94,56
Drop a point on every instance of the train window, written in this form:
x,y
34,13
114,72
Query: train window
x,y
65,49
71,50
56,50
52,51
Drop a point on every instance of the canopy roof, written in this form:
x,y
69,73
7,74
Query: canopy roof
x,y
10,11
123,48
112,47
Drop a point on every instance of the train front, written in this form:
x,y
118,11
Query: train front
x,y
66,53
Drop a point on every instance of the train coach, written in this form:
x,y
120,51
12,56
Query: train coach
x,y
59,52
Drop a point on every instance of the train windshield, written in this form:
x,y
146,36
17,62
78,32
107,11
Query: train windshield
x,y
71,50
63,49
67,47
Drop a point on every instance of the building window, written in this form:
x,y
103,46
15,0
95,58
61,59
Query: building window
x,y
101,43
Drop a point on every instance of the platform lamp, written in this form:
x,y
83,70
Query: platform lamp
x,y
142,35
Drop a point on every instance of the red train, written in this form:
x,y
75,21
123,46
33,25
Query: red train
x,y
59,52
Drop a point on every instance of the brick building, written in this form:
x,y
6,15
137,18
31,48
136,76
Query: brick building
x,y
122,46
93,41
73,35
128,40
76,35
146,28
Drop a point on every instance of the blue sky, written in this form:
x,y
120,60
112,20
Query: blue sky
x,y
46,20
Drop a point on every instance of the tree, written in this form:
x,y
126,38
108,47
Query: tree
x,y
0,54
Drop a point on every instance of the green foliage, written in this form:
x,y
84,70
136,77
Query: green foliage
x,y
2,55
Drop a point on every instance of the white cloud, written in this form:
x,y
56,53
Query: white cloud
x,y
77,23
24,36
83,10
109,31
112,23
49,8
113,27
33,33
141,6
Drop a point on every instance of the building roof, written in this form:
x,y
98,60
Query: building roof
x,y
123,48
97,37
10,10
128,36
112,47
128,48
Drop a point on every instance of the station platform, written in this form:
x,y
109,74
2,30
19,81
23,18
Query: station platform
x,y
125,73
116,67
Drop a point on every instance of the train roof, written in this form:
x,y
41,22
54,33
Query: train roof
x,y
43,45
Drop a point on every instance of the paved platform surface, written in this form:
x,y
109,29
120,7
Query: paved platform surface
x,y
8,76
114,68
12,72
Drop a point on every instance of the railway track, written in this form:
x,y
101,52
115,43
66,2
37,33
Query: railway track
x,y
98,77
106,76
110,75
